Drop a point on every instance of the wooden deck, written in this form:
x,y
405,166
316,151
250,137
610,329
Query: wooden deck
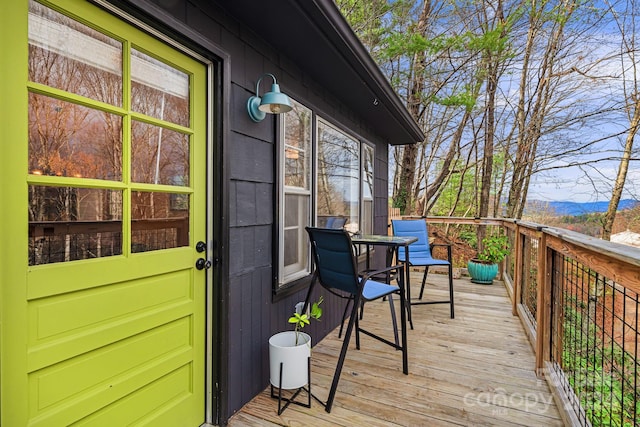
x,y
474,370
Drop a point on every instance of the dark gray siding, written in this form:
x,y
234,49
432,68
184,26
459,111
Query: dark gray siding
x,y
248,185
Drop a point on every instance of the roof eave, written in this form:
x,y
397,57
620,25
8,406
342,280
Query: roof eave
x,y
315,36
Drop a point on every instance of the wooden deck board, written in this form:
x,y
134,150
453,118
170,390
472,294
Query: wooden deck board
x,y
474,370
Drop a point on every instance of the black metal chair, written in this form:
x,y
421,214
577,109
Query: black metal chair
x,y
420,255
336,270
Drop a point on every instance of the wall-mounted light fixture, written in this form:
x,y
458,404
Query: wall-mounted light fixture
x,y
274,102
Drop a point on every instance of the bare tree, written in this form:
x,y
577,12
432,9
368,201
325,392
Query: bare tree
x,y
503,90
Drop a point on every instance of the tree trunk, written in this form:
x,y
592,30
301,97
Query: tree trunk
x,y
403,196
616,195
493,59
530,132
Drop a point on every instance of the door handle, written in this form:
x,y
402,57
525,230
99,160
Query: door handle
x,y
201,246
202,263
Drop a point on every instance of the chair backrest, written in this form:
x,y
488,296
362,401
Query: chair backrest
x,y
333,256
416,228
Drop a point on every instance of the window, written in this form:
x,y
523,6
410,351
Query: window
x,y
326,180
295,206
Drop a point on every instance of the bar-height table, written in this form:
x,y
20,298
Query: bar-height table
x,y
392,242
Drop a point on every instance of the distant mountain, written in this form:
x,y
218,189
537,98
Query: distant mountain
x,y
576,208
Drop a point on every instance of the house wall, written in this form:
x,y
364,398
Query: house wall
x,y
250,313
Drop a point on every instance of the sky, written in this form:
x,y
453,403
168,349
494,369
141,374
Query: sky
x,y
572,185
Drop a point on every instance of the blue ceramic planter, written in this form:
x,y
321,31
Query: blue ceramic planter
x,y
482,273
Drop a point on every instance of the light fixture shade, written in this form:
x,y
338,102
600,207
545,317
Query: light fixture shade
x,y
274,102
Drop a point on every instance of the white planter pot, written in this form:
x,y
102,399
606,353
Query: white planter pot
x,y
294,359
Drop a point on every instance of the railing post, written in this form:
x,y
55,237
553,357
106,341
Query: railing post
x,y
556,313
543,302
517,270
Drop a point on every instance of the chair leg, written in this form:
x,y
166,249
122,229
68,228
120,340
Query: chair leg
x,y
344,317
450,278
405,310
451,289
357,328
424,280
394,321
353,319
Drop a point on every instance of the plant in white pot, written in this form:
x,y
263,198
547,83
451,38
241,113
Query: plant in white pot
x,y
289,351
484,267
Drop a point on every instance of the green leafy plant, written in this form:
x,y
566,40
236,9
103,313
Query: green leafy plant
x,y
494,249
302,319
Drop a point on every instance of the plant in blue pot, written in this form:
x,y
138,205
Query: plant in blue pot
x,y
484,267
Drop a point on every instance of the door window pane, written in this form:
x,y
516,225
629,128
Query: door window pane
x,y
68,223
159,155
159,90
72,140
70,56
338,175
159,221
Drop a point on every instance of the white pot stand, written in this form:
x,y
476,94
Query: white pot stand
x,y
289,400
290,368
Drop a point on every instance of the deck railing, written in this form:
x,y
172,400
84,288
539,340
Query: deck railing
x,y
578,299
61,241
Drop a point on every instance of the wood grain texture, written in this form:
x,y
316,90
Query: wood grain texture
x,y
477,369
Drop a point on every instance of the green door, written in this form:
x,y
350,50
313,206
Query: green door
x,y
103,310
